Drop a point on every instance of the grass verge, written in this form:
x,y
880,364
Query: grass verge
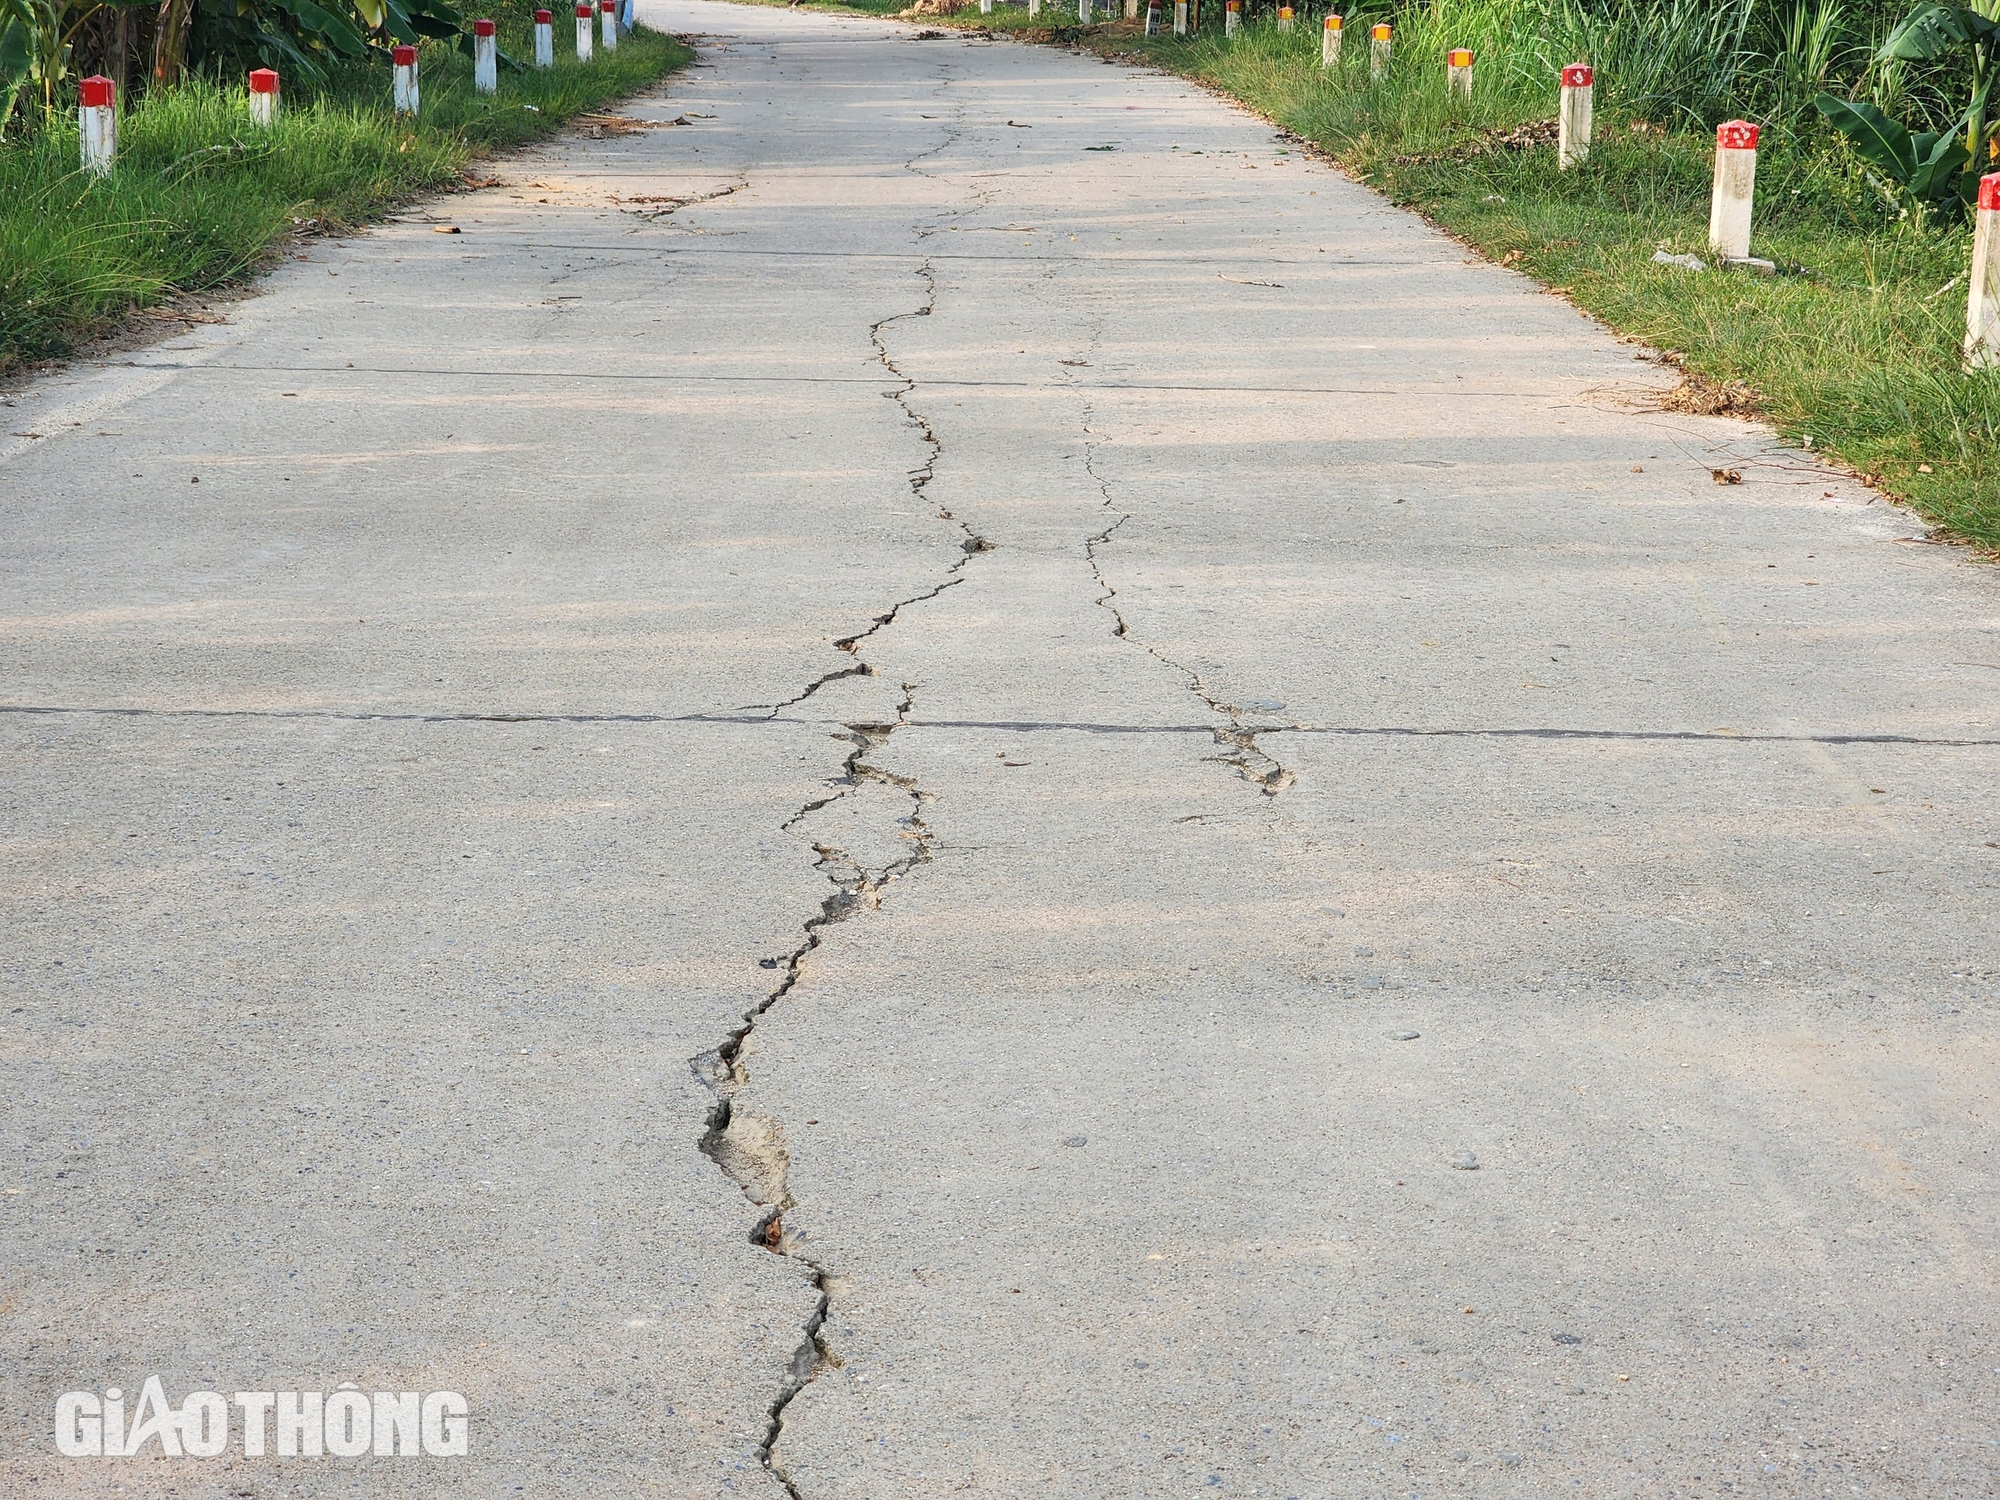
x,y
201,196
1856,352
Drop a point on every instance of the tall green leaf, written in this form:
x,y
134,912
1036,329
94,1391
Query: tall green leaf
x,y
1931,31
17,57
330,28
1941,163
1881,142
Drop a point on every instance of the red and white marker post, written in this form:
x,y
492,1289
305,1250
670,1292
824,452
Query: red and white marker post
x,y
485,59
263,97
607,12
1982,306
1458,74
1152,17
1573,120
1232,16
404,61
97,123
584,11
1735,188
1284,18
1329,42
1378,52
545,39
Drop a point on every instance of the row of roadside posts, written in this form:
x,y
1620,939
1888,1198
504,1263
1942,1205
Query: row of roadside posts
x,y
97,97
1730,202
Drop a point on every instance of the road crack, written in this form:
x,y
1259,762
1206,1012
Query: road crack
x,y
654,208
1237,739
920,477
748,1146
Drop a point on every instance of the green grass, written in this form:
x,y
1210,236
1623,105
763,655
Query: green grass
x,y
1860,354
201,197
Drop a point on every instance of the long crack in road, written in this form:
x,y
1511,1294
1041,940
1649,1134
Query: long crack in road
x,y
961,814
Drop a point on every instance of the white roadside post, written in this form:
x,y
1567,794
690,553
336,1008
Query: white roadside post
x,y
1180,17
263,97
1573,124
545,39
485,59
1131,10
607,11
1735,187
1378,52
1982,307
1284,18
404,60
1083,12
1152,17
1458,74
1329,42
1034,9
986,7
97,123
1232,14
584,11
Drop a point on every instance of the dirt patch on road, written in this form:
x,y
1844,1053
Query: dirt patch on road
x,y
1699,396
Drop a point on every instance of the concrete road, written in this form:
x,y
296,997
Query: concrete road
x,y
960,782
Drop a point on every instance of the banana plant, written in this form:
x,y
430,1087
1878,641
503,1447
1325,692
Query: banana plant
x,y
1934,31
1925,171
35,41
330,28
346,30
16,56
407,20
1921,173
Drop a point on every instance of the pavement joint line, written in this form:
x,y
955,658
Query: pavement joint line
x,y
955,384
682,247
1027,726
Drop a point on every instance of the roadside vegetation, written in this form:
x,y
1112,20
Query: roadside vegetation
x,y
200,196
1875,125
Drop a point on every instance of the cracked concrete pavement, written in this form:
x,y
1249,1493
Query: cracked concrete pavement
x,y
866,801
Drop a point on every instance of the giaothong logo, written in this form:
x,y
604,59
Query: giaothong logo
x,y
345,1423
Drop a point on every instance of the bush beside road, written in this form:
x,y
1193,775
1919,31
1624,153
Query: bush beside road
x,y
200,197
